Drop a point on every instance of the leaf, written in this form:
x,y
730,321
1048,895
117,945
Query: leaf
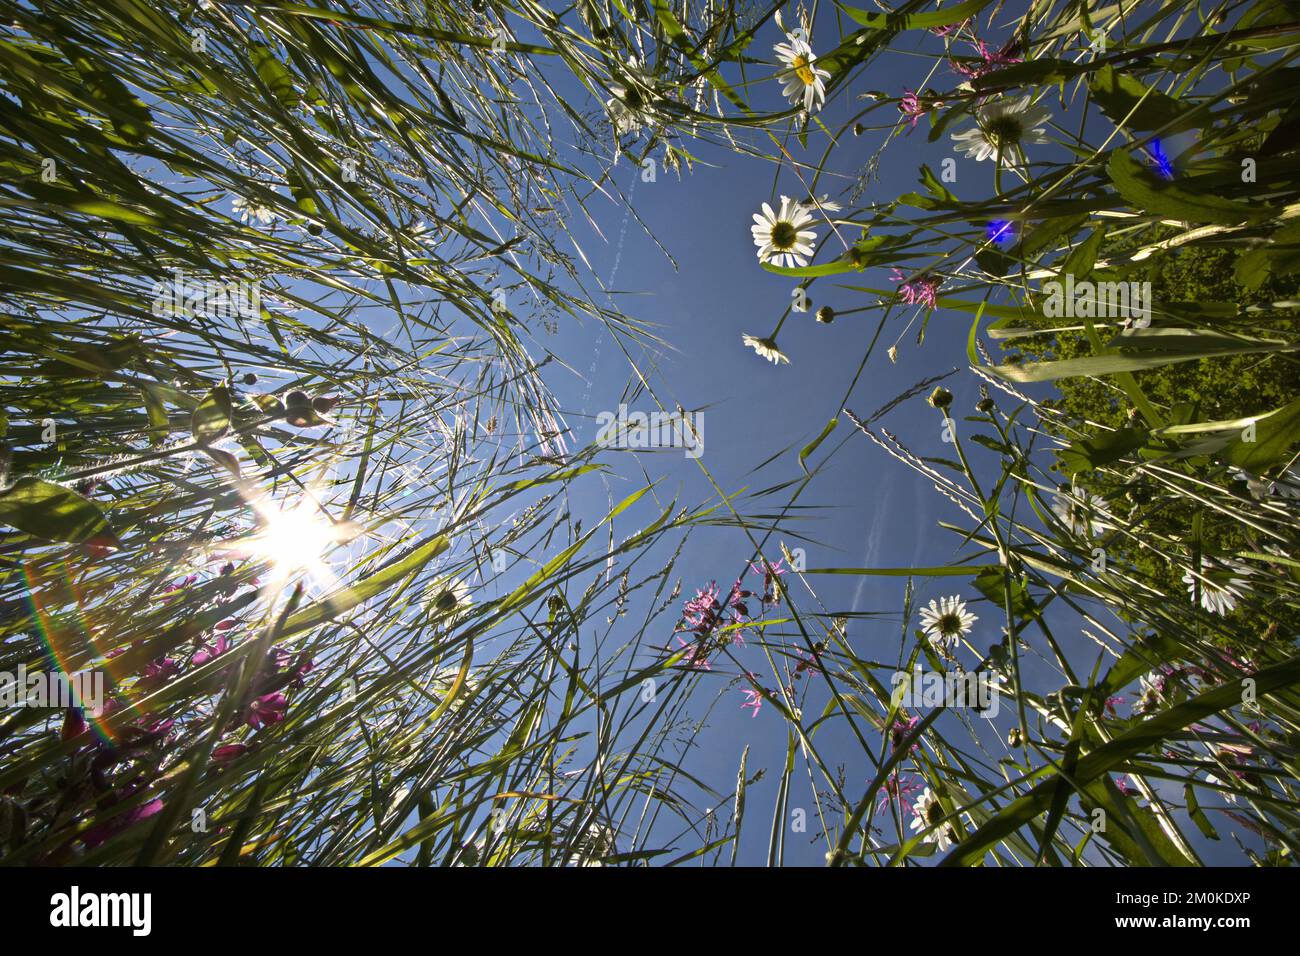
x,y
1103,449
1146,191
949,16
211,419
1130,103
1037,72
1197,814
989,582
812,445
1083,257
225,459
1274,434
130,117
275,75
157,412
1144,349
55,513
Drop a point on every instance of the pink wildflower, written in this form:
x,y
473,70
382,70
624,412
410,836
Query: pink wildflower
x,y
919,291
266,710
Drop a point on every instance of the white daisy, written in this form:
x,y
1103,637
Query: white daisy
x,y
632,105
1152,693
452,597
804,81
946,620
248,209
593,846
927,811
1081,511
783,238
825,203
766,348
1221,585
1287,486
1003,127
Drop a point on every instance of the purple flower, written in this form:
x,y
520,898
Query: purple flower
x,y
696,659
266,710
210,652
159,672
702,610
901,730
228,752
896,788
911,107
919,291
990,60
100,834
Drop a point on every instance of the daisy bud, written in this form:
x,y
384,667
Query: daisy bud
x,y
940,398
985,405
826,315
1015,738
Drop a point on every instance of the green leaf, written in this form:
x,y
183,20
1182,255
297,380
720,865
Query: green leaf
x,y
1037,72
211,419
1197,814
1154,195
157,412
1103,449
1274,434
948,16
1143,349
55,513
275,75
812,445
1083,257
1129,103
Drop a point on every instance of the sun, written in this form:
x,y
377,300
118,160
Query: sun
x,y
295,539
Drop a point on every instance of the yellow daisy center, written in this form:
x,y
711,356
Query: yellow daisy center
x,y
803,70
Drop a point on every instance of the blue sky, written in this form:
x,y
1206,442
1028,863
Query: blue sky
x,y
865,509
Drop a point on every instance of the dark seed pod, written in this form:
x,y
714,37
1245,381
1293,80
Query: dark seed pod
x,y
324,403
296,397
250,379
826,315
